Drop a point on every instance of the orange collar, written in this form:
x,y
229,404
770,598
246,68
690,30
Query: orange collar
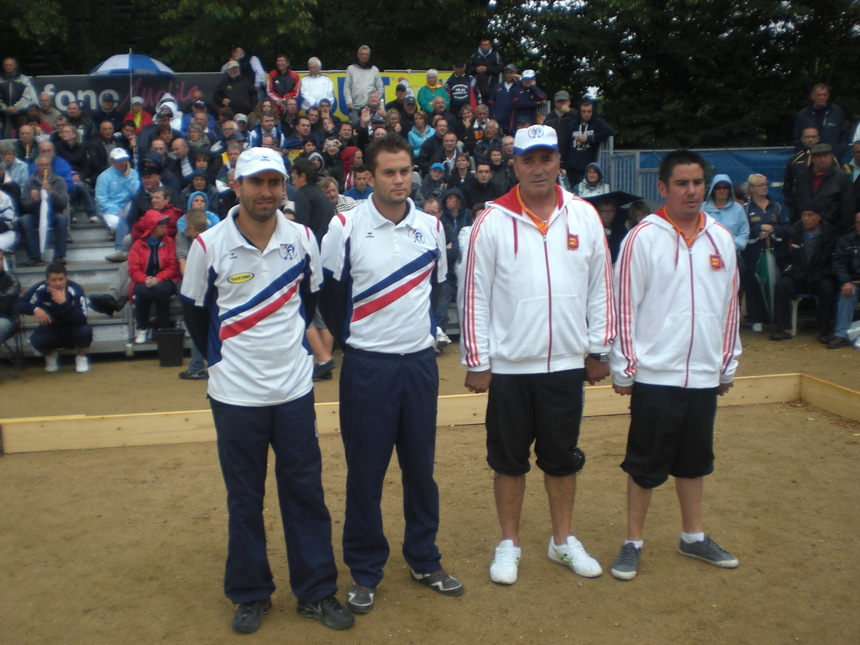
x,y
688,240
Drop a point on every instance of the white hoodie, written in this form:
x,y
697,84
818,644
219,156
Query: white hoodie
x,y
533,303
677,307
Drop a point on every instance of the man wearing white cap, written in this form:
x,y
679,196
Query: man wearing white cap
x,y
248,292
537,320
115,188
527,98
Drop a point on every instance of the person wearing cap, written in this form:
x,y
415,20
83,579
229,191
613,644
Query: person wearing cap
x,y
249,67
677,349
362,77
527,99
537,318
804,257
107,111
115,189
380,263
462,88
561,116
235,90
502,97
149,133
154,272
137,114
248,294
315,86
829,186
586,132
198,107
486,66
401,93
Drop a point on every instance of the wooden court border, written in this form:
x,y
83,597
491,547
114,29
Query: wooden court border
x,y
82,432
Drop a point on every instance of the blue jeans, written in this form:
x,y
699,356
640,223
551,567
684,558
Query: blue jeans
x,y
445,294
30,226
845,312
197,364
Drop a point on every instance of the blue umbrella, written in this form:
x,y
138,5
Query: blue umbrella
x,y
130,65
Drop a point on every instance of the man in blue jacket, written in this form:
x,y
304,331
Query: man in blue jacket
x,y
60,307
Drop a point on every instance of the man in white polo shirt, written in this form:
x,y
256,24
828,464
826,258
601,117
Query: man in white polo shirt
x,y
537,320
248,293
380,261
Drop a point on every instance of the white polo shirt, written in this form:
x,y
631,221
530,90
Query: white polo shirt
x,y
256,347
389,270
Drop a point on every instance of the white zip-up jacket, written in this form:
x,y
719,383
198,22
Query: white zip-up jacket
x,y
677,307
533,303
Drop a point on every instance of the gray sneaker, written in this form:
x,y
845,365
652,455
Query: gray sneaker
x,y
709,551
626,564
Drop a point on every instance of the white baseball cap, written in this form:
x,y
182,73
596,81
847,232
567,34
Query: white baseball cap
x,y
119,154
529,75
535,136
256,160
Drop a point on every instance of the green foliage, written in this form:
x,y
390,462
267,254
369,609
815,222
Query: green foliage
x,y
691,73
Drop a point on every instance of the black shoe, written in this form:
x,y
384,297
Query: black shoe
x,y
33,262
440,581
360,599
193,376
60,259
104,303
837,342
824,339
249,615
328,611
781,335
324,370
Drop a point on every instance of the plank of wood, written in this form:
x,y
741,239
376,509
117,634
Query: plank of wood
x,y
78,432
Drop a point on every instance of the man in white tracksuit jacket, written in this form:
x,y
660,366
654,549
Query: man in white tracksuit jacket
x,y
536,300
676,284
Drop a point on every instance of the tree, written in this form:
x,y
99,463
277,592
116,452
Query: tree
x,y
690,73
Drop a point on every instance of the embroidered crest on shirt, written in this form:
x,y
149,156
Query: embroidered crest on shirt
x,y
716,262
287,251
572,242
416,236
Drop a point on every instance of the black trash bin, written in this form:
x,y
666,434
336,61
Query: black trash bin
x,y
169,343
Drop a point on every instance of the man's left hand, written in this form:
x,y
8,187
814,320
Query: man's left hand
x,y
725,387
595,370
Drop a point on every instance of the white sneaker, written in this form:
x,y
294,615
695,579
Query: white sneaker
x,y
572,554
82,364
506,561
140,336
52,362
442,340
758,327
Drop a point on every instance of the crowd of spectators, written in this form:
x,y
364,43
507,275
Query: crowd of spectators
x,y
131,171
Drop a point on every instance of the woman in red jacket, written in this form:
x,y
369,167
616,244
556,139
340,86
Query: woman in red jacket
x,y
154,271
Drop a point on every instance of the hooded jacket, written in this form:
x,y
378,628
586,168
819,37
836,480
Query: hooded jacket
x,y
138,254
677,307
211,217
586,189
426,94
551,293
360,81
732,216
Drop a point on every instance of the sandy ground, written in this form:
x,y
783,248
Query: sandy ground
x,y
127,545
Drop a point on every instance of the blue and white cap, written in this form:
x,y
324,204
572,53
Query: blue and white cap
x,y
535,136
256,160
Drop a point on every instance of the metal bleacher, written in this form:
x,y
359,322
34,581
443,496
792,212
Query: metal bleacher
x,y
86,264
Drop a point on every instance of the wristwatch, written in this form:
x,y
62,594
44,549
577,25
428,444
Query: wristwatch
x,y
602,358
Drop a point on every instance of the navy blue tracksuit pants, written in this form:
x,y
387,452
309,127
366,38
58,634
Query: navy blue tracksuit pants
x,y
388,402
244,436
